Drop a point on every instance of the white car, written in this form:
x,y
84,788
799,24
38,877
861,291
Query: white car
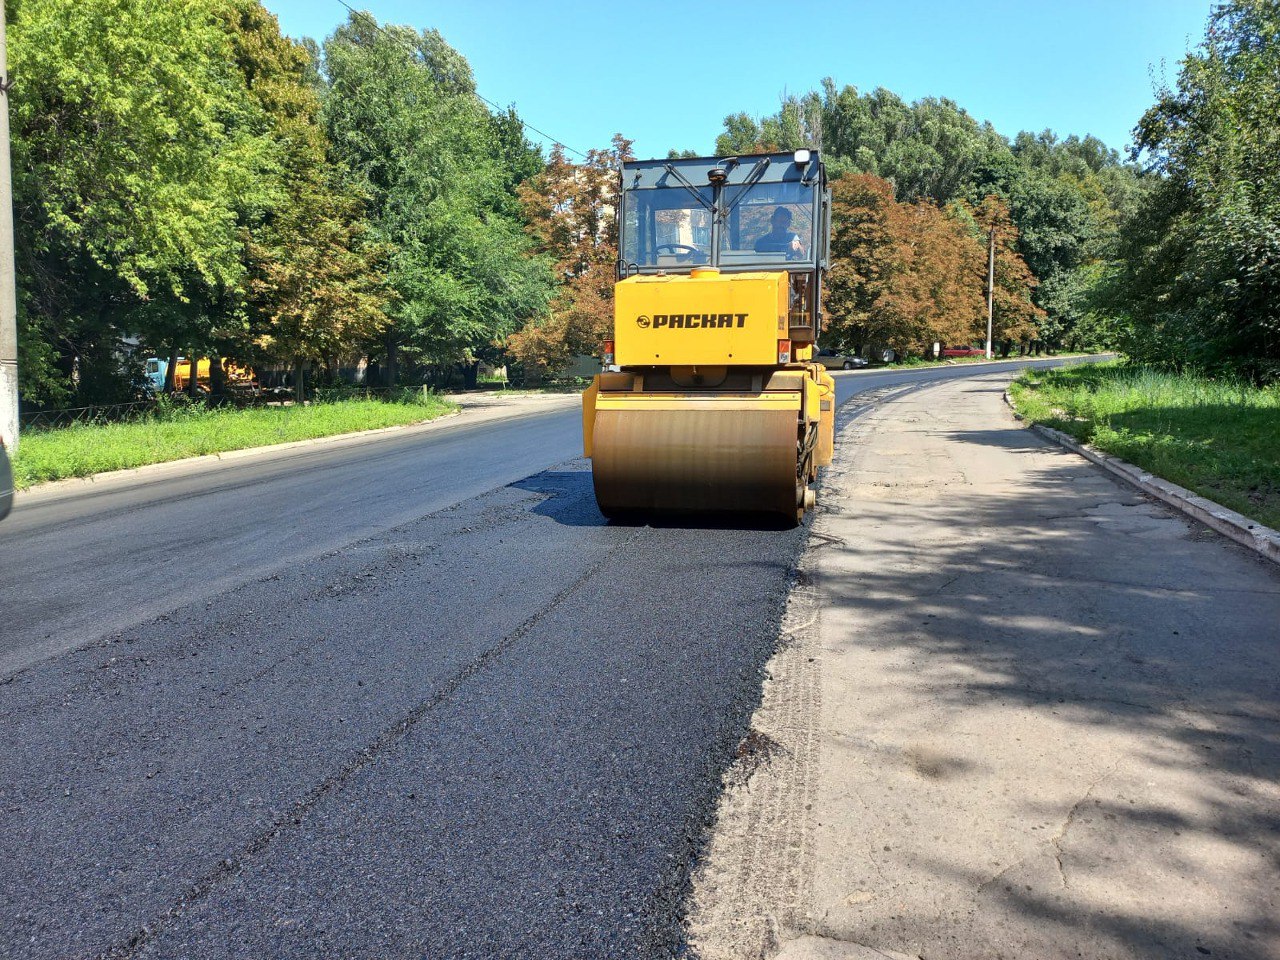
x,y
833,360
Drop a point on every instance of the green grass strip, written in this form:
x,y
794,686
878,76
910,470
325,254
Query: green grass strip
x,y
175,432
1220,438
907,362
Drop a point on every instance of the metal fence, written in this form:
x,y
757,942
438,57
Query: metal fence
x,y
100,413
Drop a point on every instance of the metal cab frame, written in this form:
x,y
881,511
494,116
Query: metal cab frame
x,y
719,184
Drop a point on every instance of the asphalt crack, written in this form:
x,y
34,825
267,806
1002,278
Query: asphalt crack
x,y
1056,840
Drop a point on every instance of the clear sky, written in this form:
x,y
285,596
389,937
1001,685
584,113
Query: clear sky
x,y
666,74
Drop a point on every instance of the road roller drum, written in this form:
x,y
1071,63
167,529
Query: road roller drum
x,y
714,457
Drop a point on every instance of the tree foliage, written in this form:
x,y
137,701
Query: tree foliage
x,y
437,169
188,179
1066,198
573,219
136,154
907,275
1198,271
1015,316
315,288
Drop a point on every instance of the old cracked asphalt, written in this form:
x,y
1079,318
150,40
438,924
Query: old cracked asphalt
x,y
405,697
1022,711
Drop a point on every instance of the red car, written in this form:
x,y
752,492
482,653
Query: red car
x,y
966,351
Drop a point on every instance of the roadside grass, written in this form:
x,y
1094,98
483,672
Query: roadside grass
x,y
908,362
175,432
1220,438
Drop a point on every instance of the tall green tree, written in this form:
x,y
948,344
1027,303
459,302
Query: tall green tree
x,y
1068,201
1199,271
930,149
435,167
316,287
136,154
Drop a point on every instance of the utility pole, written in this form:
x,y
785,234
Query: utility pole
x,y
8,288
991,284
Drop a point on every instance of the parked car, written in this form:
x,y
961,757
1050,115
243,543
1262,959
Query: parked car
x,y
6,483
834,360
968,350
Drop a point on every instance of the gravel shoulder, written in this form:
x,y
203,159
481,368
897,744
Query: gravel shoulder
x,y
1019,710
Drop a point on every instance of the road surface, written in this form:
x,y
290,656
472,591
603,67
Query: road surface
x,y
411,696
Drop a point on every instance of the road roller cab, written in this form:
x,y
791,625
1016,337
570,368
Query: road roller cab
x,y
711,400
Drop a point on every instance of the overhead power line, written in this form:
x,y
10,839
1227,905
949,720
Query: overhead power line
x,y
391,36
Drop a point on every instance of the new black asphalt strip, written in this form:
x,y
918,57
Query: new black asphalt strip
x,y
495,730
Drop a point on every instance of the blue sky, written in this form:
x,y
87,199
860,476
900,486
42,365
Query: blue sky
x,y
665,74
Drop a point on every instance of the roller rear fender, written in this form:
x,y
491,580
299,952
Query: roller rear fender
x,y
589,416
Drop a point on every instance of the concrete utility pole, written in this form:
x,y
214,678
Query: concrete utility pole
x,y
991,284
8,288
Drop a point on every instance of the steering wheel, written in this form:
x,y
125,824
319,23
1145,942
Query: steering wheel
x,y
684,253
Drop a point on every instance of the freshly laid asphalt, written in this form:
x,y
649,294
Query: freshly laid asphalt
x,y
407,697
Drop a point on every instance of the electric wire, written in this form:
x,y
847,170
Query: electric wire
x,y
369,18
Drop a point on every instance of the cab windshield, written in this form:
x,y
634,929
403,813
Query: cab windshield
x,y
671,222
767,222
668,227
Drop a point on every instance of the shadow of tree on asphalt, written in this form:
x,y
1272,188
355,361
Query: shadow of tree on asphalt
x,y
1055,606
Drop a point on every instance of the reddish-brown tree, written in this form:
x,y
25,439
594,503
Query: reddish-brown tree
x,y
902,274
1015,316
861,257
573,217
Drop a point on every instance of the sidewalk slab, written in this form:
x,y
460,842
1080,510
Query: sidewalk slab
x,y
1019,710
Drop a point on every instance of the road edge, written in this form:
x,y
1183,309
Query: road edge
x,y
993,362
1258,537
67,483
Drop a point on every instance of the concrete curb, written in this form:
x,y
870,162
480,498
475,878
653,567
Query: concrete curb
x,y
1248,533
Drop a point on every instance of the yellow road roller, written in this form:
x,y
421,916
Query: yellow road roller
x,y
710,399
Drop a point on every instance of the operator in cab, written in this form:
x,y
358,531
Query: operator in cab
x,y
780,238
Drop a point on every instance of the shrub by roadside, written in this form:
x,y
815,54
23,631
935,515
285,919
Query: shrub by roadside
x,y
174,432
1219,438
